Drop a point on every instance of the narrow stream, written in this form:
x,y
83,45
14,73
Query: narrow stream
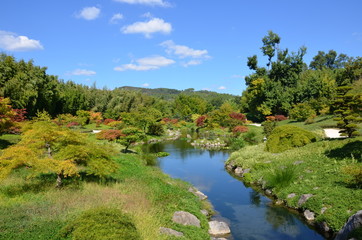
x,y
251,216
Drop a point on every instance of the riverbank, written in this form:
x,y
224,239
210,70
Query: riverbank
x,y
317,173
35,209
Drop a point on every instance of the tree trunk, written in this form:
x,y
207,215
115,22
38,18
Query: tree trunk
x,y
59,180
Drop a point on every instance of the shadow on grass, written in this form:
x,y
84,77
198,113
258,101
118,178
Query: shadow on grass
x,y
349,150
45,182
5,143
324,119
37,185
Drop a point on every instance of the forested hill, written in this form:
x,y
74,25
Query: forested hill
x,y
167,93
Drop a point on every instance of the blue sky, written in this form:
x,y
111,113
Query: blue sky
x,y
170,43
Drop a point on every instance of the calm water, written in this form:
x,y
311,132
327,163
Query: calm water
x,y
250,215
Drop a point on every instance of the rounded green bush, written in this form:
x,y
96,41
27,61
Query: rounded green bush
x,y
101,223
287,137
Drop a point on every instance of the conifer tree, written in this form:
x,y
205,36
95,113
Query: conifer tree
x,y
348,108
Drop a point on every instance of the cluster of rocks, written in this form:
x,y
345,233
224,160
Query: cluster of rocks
x,y
173,134
209,144
216,228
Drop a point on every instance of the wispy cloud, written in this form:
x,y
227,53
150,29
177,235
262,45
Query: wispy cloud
x,y
147,15
357,35
222,88
160,3
12,42
81,72
237,76
183,51
115,18
89,13
145,85
147,28
193,56
191,63
145,64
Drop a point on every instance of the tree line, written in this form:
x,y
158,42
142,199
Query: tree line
x,y
286,85
30,87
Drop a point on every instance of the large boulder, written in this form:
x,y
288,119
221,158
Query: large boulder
x,y
185,218
353,222
217,228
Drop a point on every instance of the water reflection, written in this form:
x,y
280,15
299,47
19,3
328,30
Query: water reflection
x,y
255,198
250,214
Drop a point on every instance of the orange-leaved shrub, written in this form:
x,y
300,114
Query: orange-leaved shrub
x,y
109,134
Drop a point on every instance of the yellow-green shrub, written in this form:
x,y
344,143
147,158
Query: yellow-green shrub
x,y
101,223
286,137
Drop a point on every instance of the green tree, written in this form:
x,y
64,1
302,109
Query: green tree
x,y
6,115
270,45
129,136
328,60
348,109
301,112
186,105
46,148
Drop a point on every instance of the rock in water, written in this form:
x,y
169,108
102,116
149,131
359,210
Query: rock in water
x,y
353,222
218,228
169,231
185,218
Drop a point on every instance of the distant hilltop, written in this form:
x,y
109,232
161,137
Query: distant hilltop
x,y
168,93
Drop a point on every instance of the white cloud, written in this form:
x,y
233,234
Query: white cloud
x,y
222,88
146,2
12,42
89,13
148,28
147,15
145,64
145,85
115,18
183,51
192,63
134,67
237,76
158,61
82,72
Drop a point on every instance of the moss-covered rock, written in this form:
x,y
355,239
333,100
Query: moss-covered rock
x,y
287,137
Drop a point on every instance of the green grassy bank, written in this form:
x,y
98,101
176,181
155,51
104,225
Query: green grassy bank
x,y
319,168
35,209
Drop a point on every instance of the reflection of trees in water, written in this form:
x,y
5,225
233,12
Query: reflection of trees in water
x,y
153,148
282,220
255,198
